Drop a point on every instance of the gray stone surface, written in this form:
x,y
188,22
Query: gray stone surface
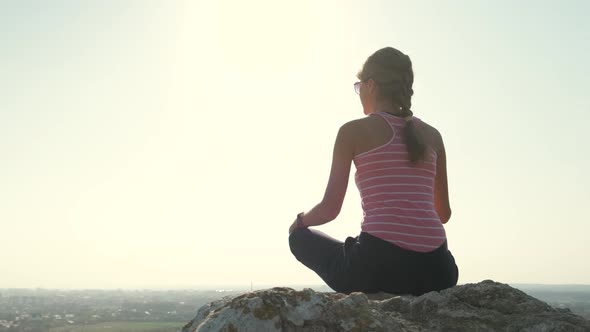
x,y
485,306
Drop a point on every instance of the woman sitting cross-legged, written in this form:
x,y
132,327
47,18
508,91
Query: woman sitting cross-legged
x,y
401,175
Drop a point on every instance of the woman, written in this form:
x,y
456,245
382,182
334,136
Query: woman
x,y
401,175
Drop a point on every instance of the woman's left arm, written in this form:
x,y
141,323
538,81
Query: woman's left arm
x,y
329,208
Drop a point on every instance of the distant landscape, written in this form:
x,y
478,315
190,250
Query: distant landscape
x,y
574,297
54,310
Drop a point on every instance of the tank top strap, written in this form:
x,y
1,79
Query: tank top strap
x,y
395,122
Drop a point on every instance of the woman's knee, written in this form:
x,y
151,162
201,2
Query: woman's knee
x,y
296,240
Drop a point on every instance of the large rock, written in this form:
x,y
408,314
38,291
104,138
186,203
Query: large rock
x,y
486,306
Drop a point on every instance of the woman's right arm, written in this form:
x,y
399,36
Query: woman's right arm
x,y
441,188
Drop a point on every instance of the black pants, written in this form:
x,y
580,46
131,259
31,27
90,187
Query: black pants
x,y
369,264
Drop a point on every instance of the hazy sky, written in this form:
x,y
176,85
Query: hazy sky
x,y
171,144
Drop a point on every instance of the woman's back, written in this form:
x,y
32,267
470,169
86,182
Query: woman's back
x,y
397,195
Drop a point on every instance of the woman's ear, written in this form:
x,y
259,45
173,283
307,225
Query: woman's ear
x,y
372,86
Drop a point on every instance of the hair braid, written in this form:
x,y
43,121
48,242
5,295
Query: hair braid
x,y
392,70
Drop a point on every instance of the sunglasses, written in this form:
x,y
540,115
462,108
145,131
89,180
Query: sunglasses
x,y
357,87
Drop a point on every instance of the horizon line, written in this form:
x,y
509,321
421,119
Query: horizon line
x,y
230,287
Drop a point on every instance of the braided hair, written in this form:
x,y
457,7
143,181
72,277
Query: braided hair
x,y
392,71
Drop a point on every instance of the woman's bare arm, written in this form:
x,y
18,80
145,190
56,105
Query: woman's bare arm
x,y
441,188
329,208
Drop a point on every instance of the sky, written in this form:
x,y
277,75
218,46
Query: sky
x,y
170,144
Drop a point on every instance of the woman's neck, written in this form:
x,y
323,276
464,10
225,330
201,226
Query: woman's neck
x,y
384,106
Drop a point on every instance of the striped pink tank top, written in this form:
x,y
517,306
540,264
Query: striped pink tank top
x,y
397,196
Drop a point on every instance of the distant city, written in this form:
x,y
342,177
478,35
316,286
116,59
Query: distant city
x,y
54,310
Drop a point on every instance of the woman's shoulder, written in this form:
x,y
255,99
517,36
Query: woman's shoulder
x,y
354,125
429,129
362,123
431,134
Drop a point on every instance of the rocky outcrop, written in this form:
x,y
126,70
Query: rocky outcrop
x,y
485,306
